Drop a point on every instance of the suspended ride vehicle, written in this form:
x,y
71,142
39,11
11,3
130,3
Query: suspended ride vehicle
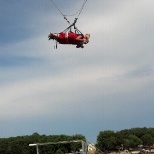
x,y
68,36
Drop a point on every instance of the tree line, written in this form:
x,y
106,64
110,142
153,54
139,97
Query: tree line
x,y
125,139
107,140
20,144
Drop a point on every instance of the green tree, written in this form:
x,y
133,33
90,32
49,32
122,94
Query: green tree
x,y
132,141
147,139
106,140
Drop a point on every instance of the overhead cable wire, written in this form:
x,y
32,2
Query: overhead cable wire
x,y
64,15
57,8
79,11
82,7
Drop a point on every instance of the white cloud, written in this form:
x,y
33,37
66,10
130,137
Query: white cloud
x,y
34,96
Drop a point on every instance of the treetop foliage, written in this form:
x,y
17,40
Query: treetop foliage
x,y
20,144
127,138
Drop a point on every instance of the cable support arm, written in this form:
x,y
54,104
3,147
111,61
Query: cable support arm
x,y
73,24
66,19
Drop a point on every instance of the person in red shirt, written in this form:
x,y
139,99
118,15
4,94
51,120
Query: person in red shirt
x,y
70,38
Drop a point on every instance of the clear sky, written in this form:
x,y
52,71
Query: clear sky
x,y
108,85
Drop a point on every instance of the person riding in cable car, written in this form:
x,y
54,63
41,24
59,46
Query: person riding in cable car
x,y
70,38
67,36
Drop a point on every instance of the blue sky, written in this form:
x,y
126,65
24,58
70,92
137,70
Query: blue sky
x,y
108,85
